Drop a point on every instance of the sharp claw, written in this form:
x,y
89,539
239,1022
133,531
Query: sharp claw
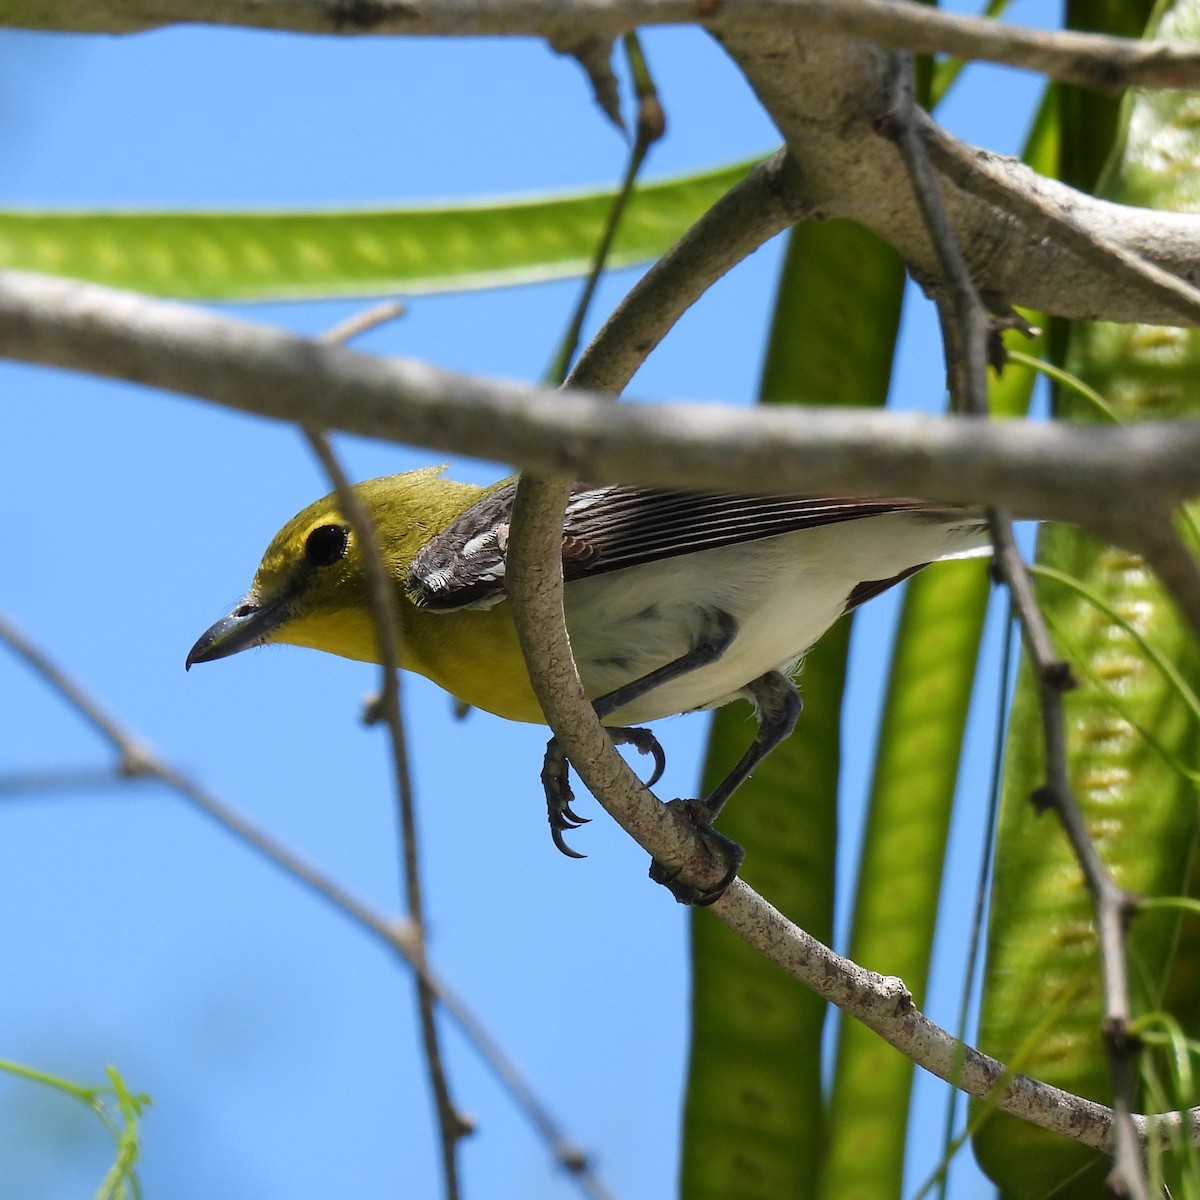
x,y
557,835
660,763
559,796
572,819
644,742
558,799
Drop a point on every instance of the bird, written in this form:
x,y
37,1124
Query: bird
x,y
675,601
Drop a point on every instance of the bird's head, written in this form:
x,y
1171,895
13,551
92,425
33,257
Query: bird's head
x,y
311,587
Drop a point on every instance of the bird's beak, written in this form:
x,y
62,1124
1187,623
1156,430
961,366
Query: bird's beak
x,y
249,624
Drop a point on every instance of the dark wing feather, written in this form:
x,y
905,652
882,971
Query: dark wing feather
x,y
610,528
870,588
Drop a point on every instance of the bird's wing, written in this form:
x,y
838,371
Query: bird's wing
x,y
613,527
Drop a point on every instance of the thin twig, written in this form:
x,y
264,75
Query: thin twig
x,y
733,229
881,1003
649,127
137,761
395,934
19,784
452,1125
1112,905
965,327
766,202
362,322
964,321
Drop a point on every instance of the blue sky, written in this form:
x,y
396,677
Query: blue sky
x,y
278,1043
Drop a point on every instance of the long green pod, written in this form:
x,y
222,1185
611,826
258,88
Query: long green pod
x,y
753,1124
900,872
358,252
908,820
1140,811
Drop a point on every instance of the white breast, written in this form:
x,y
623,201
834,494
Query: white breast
x,y
783,592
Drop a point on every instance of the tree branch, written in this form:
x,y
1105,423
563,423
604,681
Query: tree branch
x,y
1050,471
452,1125
766,202
828,94
1089,60
1050,209
965,327
822,84
135,760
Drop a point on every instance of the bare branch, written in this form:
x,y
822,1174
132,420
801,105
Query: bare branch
x,y
884,1005
821,82
19,784
1039,204
1111,904
880,1002
766,202
734,228
1051,471
964,320
452,1125
827,95
137,761
965,328
1089,60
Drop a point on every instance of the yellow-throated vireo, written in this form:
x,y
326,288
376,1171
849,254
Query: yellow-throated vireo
x,y
675,601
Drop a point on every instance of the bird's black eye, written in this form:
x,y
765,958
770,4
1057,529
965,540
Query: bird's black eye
x,y
326,544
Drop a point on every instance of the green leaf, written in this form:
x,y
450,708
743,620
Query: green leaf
x,y
356,252
753,1124
1140,809
119,1111
901,867
908,821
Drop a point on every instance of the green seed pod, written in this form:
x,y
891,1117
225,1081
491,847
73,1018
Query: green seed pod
x,y
1129,729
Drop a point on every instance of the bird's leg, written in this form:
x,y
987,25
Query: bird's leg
x,y
714,641
779,706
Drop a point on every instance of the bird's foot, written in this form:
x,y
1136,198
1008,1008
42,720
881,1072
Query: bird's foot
x,y
644,742
557,786
724,858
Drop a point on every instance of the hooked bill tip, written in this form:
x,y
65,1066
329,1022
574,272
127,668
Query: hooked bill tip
x,y
247,625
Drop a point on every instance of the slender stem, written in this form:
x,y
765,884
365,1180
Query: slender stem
x,y
767,201
650,126
452,1126
396,935
964,321
966,329
1112,905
